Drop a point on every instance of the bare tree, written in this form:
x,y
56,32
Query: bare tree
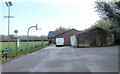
x,y
62,29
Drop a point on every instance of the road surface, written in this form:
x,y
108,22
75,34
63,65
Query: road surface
x,y
66,59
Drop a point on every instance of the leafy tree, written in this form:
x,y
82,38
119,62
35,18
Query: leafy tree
x,y
104,24
111,11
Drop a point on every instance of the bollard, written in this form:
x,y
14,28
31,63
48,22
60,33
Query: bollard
x,y
42,44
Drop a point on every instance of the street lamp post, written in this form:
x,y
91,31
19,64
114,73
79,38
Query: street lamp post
x,y
8,4
28,34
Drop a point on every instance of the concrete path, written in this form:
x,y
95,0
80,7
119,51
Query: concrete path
x,y
66,59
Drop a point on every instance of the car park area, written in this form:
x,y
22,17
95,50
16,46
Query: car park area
x,y
66,59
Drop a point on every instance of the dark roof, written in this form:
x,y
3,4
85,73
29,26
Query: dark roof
x,y
57,33
54,33
93,28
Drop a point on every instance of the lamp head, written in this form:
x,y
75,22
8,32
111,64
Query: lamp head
x,y
8,4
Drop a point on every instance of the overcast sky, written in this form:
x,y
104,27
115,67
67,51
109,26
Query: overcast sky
x,y
48,14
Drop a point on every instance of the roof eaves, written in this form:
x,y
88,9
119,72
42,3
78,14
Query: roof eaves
x,y
66,31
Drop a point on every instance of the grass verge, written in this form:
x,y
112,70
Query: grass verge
x,y
24,52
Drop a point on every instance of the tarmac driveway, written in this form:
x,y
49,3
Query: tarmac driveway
x,y
66,59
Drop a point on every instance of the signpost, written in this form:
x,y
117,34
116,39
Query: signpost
x,y
18,43
16,31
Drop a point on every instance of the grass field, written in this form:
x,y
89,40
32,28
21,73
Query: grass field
x,y
22,44
21,50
